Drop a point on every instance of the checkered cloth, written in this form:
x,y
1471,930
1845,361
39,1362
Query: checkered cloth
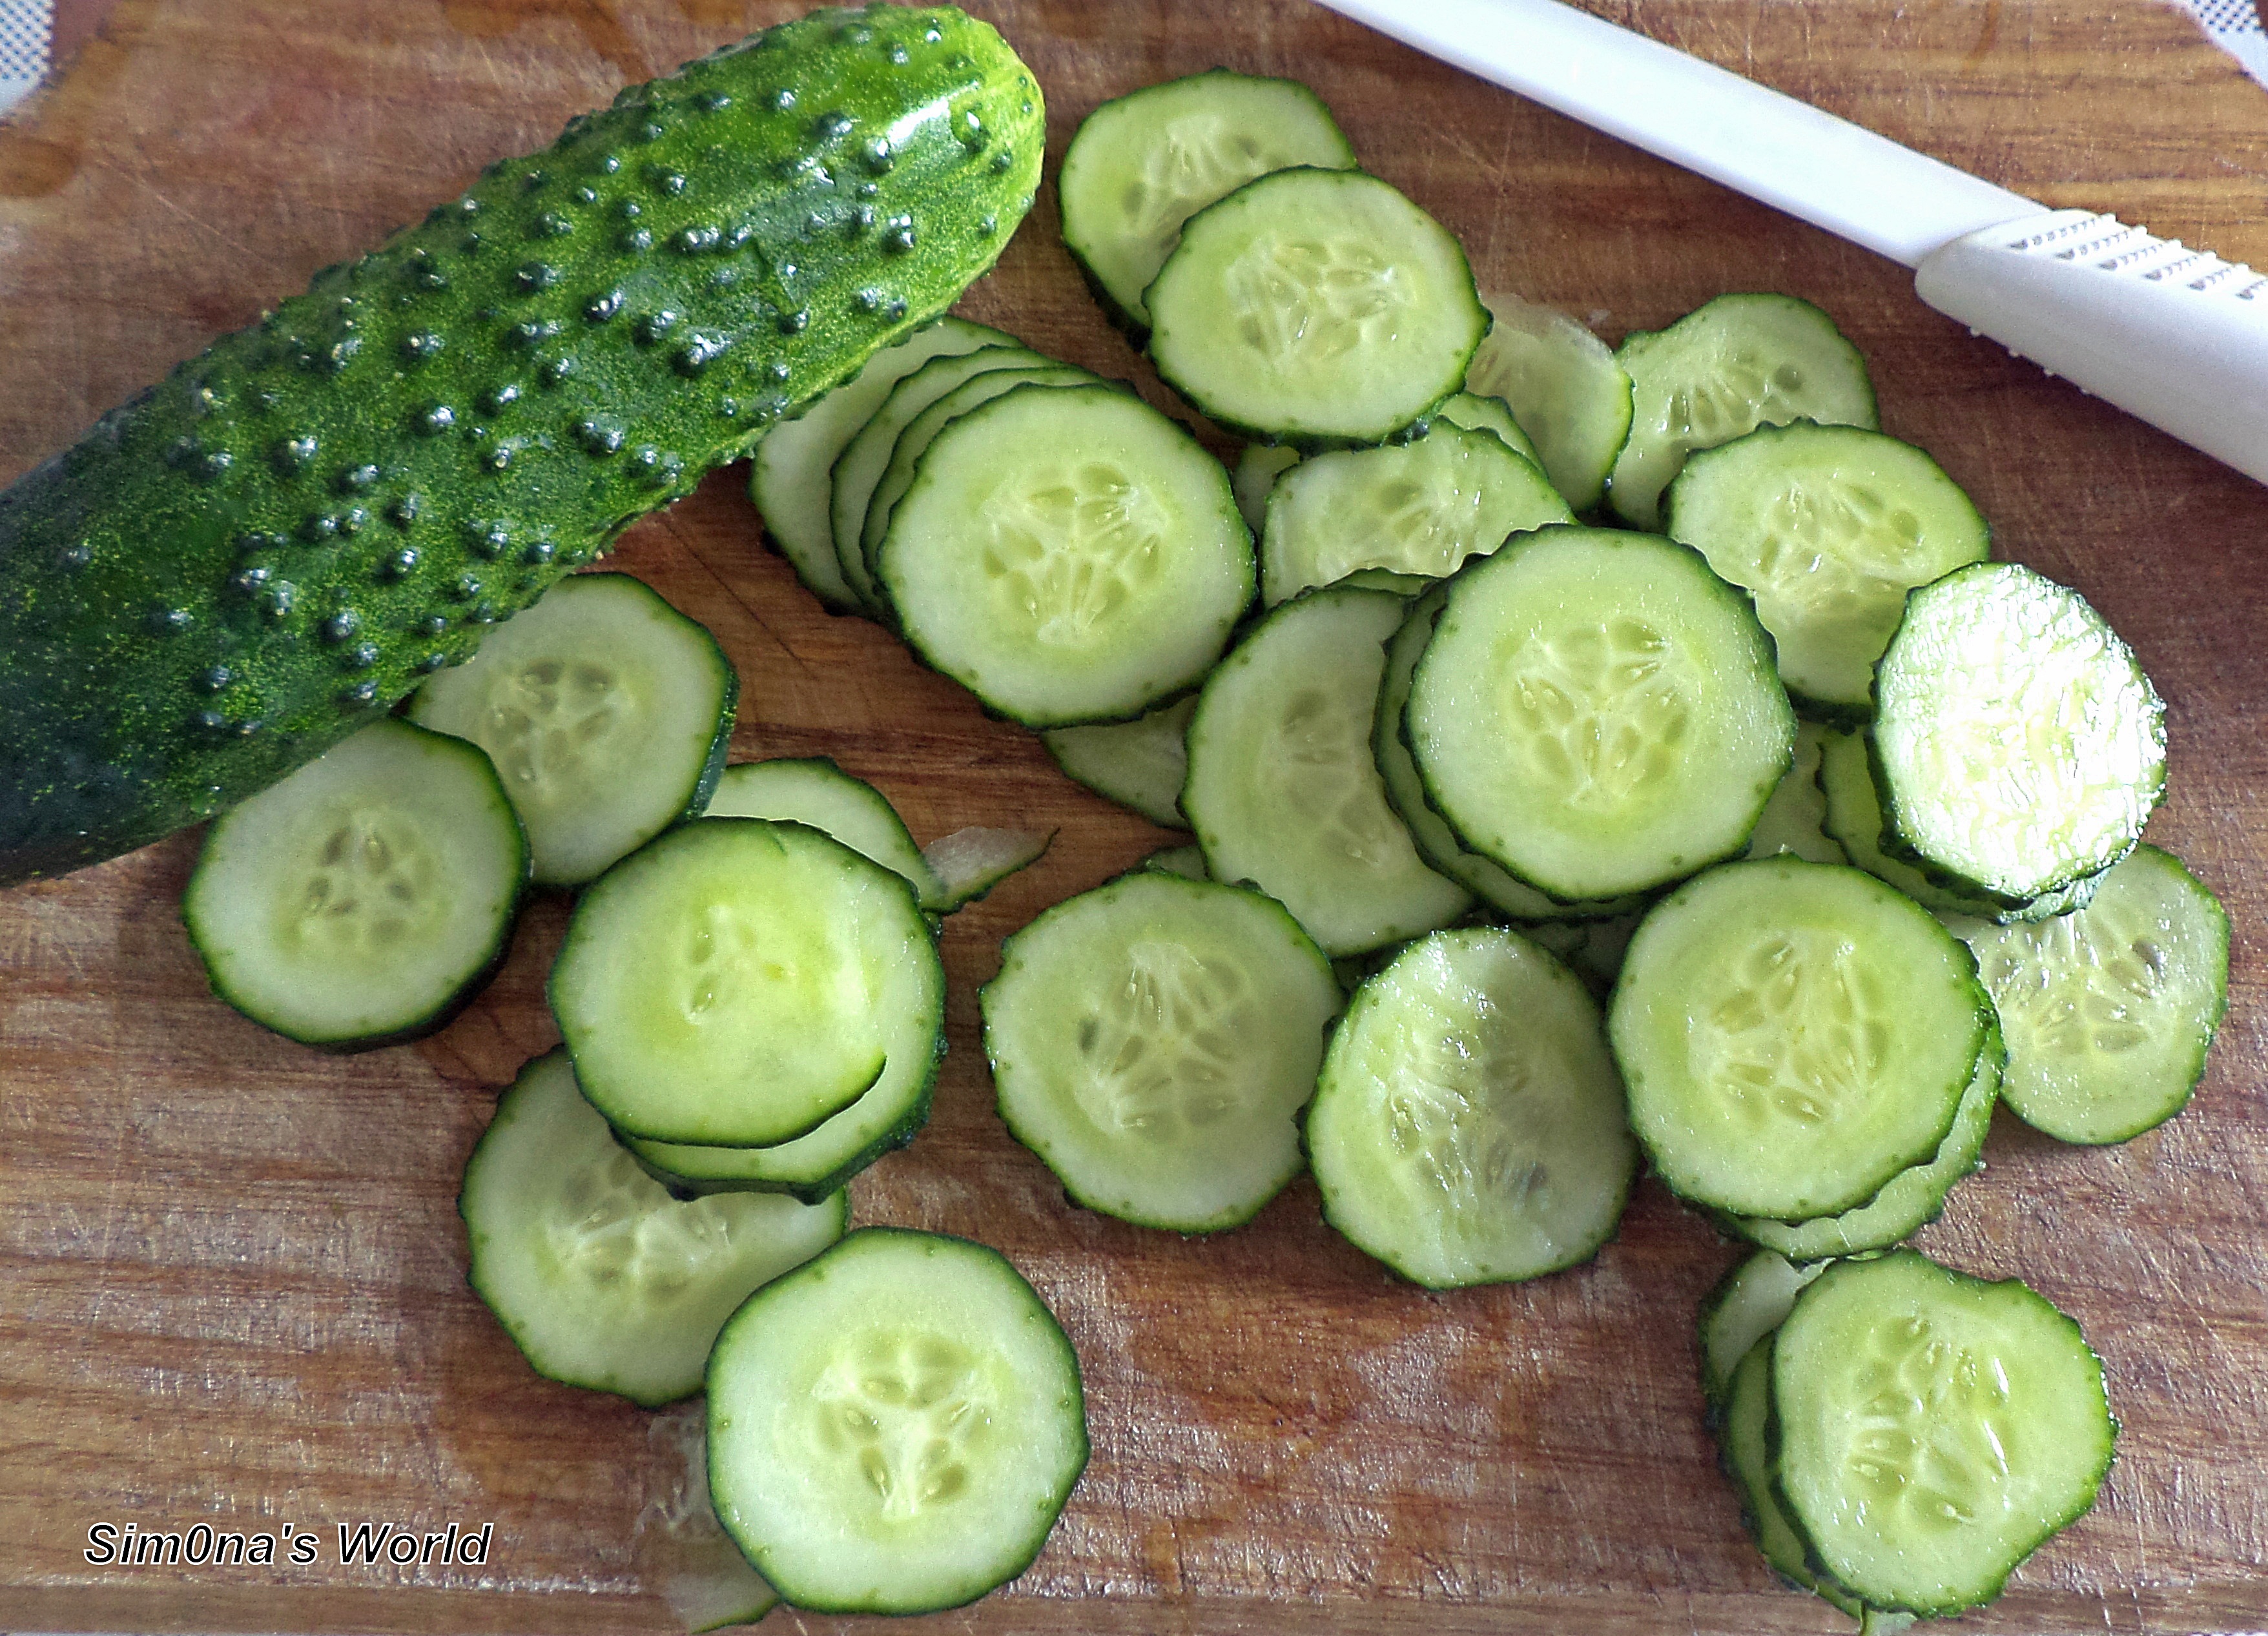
x,y
2235,27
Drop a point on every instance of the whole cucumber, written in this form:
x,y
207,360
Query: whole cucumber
x,y
239,567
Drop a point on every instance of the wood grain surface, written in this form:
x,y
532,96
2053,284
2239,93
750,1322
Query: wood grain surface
x,y
231,1272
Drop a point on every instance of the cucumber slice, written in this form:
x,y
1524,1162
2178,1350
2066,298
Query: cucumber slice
x,y
1827,527
792,484
1153,1040
1257,468
1141,764
683,1549
1795,820
1317,307
600,1277
1562,387
1405,792
1467,1126
1909,1200
1186,862
1068,554
1283,791
893,1427
970,862
867,457
1725,369
1598,713
1419,507
817,792
1746,1445
739,981
2110,1011
367,898
1747,1305
1141,166
1932,1430
606,712
1478,414
1792,1036
2018,746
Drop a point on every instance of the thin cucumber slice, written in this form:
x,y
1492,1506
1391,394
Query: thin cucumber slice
x,y
1478,414
1141,166
1153,1040
367,898
1405,792
1467,1126
1564,389
1283,791
864,462
2110,1011
1598,713
1068,554
1186,862
601,1278
683,1550
1930,1430
1795,819
894,1427
1257,468
739,981
1792,1036
1909,1200
1419,507
1725,369
1827,527
791,485
1316,307
1746,1445
906,453
606,712
1141,764
1747,1305
817,792
970,862
2017,744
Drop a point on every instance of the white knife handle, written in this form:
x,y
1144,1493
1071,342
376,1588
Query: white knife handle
x,y
2177,336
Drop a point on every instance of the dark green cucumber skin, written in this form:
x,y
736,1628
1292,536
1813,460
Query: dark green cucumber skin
x,y
239,567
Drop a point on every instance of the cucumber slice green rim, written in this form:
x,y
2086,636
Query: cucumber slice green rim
x,y
1477,412
1795,820
1316,307
1153,1041
1562,387
1257,468
2110,1011
1747,1305
1141,764
1726,368
1467,1126
1598,713
1283,791
969,863
1068,554
1745,1444
1793,1035
1419,507
1186,862
1930,1430
791,482
738,982
1140,166
366,899
814,790
894,1427
2017,744
607,714
601,1278
1827,527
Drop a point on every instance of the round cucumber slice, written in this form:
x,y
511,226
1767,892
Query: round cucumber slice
x,y
1562,387
1793,1035
606,712
1467,1126
1283,791
738,981
1747,1305
894,1427
1827,527
1141,166
2110,1011
1598,713
1068,554
2019,746
814,790
1153,1040
1933,1429
366,898
602,1278
1318,307
1141,764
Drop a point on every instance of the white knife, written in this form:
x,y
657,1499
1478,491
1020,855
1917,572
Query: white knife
x,y
2174,336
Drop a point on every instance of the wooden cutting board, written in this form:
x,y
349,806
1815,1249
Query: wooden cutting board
x,y
230,1270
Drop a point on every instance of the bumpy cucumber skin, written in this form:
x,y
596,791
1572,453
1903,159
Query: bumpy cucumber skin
x,y
242,565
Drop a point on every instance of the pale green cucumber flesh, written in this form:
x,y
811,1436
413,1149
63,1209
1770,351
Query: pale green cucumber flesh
x,y
1746,1445
1562,387
817,792
1141,764
1748,1305
1479,412
1795,819
1257,468
970,862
